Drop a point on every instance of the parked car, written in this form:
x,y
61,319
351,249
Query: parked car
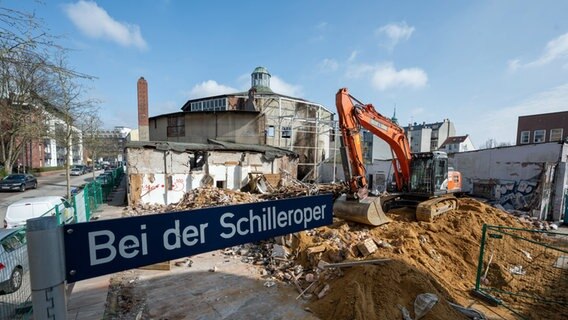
x,y
13,259
18,181
18,212
76,171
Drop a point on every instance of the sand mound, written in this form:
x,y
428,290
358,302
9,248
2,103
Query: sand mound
x,y
439,257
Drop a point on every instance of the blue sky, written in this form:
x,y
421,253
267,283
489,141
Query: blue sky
x,y
479,63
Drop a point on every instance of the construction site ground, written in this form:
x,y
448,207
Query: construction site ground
x,y
286,278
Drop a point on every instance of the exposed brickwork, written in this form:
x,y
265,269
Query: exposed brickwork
x,y
546,121
142,102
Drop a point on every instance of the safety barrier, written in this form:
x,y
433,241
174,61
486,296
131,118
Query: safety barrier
x,y
524,270
15,290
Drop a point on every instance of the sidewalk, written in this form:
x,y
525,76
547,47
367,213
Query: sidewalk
x,y
88,297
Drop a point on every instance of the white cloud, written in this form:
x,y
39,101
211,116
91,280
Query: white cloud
x,y
385,76
95,22
321,25
396,32
555,49
280,86
353,56
328,65
210,88
514,64
356,71
501,122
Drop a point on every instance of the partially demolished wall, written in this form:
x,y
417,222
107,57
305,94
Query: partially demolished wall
x,y
527,178
164,176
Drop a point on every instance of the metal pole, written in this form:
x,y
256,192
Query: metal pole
x,y
47,268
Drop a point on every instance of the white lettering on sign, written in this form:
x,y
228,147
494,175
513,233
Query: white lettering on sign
x,y
106,246
188,236
101,243
269,219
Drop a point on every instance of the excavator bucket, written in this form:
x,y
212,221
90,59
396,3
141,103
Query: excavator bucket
x,y
367,211
429,209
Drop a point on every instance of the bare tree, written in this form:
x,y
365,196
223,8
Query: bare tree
x,y
23,88
493,143
93,143
74,108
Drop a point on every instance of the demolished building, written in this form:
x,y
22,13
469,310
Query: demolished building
x,y
527,178
161,172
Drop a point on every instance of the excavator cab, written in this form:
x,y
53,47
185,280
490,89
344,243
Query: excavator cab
x,y
429,173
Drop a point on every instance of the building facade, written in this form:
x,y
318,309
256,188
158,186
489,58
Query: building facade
x,y
457,144
541,128
259,116
427,137
55,149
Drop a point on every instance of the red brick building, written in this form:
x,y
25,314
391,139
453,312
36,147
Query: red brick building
x,y
541,128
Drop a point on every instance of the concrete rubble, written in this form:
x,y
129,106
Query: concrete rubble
x,y
311,260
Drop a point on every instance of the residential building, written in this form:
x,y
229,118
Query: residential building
x,y
54,148
457,144
114,141
541,128
427,137
257,117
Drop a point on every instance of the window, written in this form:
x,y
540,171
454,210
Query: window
x,y
286,132
556,134
270,131
539,136
176,126
525,137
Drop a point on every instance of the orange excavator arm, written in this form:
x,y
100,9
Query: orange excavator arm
x,y
352,116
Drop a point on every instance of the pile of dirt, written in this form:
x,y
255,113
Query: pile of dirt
x,y
439,257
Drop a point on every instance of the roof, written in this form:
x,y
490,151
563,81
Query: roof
x,y
181,113
213,145
39,199
545,114
261,70
455,139
259,93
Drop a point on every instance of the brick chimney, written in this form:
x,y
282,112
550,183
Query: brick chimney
x,y
143,129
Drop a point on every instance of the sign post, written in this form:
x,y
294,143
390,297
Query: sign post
x,y
79,251
47,268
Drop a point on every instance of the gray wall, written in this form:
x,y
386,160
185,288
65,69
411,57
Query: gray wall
x,y
514,175
238,127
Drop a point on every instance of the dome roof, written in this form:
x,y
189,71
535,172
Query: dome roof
x,y
261,70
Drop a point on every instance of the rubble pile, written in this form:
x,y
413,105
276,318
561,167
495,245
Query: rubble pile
x,y
213,197
300,189
349,271
388,266
203,197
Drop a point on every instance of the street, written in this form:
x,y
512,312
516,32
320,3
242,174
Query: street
x,y
54,185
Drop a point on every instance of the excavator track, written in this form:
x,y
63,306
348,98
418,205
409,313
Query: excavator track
x,y
428,210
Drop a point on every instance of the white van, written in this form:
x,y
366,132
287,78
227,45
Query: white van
x,y
18,212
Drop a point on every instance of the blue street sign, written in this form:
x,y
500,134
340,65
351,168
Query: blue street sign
x,y
106,246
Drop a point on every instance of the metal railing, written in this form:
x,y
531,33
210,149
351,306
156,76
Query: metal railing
x,y
15,290
524,270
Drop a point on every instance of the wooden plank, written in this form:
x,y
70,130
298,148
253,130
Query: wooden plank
x,y
355,263
166,265
315,249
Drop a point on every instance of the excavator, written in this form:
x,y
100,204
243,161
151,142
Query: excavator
x,y
423,180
